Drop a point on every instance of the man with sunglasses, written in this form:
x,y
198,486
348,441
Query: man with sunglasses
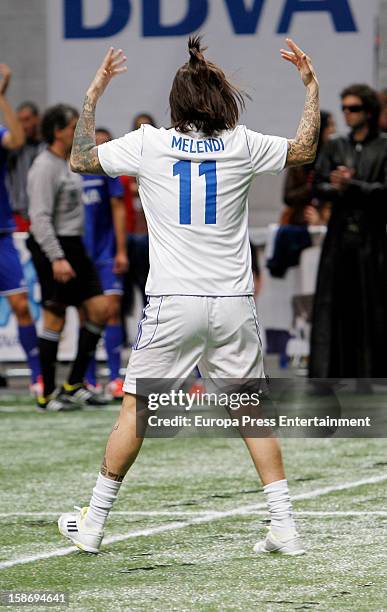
x,y
349,331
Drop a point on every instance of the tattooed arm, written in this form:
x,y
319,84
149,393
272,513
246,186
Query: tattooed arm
x,y
84,155
302,149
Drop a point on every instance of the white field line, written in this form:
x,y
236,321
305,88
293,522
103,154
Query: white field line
x,y
318,513
127,513
213,516
150,514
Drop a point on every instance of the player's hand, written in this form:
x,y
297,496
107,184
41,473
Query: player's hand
x,y
340,177
5,75
301,61
311,215
112,65
62,271
121,263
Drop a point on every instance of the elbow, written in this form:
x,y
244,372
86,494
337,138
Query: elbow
x,y
310,155
301,153
308,158
74,164
313,155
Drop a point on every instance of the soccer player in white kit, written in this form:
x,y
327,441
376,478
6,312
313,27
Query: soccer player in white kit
x,y
194,180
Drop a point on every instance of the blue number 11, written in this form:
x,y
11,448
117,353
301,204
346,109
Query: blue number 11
x,y
206,168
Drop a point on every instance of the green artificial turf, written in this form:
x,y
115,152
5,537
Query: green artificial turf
x,y
197,560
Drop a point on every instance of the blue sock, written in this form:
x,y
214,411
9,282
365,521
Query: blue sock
x,y
114,338
29,342
91,375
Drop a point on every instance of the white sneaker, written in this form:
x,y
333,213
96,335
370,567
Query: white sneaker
x,y
289,546
71,526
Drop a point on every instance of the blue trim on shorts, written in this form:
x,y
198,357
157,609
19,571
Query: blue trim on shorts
x,y
255,320
137,348
139,326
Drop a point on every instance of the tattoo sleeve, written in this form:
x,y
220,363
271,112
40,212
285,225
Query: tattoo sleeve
x,y
302,150
84,156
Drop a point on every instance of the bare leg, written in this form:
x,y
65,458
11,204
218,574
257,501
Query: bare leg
x,y
267,458
123,446
85,529
121,451
20,307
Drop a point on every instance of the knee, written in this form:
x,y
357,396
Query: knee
x,y
54,317
55,309
133,406
97,310
21,309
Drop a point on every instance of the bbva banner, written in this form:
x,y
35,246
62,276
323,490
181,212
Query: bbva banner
x,y
243,36
244,19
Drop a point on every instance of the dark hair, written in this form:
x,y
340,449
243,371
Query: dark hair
x,y
201,96
370,101
324,116
147,116
104,131
31,106
56,118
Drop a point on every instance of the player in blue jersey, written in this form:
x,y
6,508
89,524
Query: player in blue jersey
x,y
194,180
105,241
12,283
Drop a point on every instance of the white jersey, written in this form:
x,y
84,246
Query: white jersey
x,y
194,193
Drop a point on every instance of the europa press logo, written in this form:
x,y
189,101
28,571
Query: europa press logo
x,y
30,278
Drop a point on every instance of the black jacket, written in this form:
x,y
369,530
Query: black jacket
x,y
349,331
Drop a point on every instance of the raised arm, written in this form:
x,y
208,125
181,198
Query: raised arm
x,y
84,156
14,138
303,148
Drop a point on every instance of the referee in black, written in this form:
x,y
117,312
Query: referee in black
x,y
66,274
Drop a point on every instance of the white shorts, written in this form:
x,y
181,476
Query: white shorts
x,y
220,335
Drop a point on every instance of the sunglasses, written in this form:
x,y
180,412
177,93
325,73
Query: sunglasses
x,y
352,108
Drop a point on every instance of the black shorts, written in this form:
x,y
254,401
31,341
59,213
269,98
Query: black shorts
x,y
84,286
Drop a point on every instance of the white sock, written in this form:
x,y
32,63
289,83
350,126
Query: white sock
x,y
280,508
104,495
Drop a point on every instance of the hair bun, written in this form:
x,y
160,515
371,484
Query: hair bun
x,y
195,49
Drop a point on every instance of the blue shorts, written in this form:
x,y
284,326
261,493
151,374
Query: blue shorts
x,y
11,272
112,284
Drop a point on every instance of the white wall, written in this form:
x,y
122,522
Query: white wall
x,y
23,46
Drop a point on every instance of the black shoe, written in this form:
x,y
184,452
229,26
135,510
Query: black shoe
x,y
80,396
